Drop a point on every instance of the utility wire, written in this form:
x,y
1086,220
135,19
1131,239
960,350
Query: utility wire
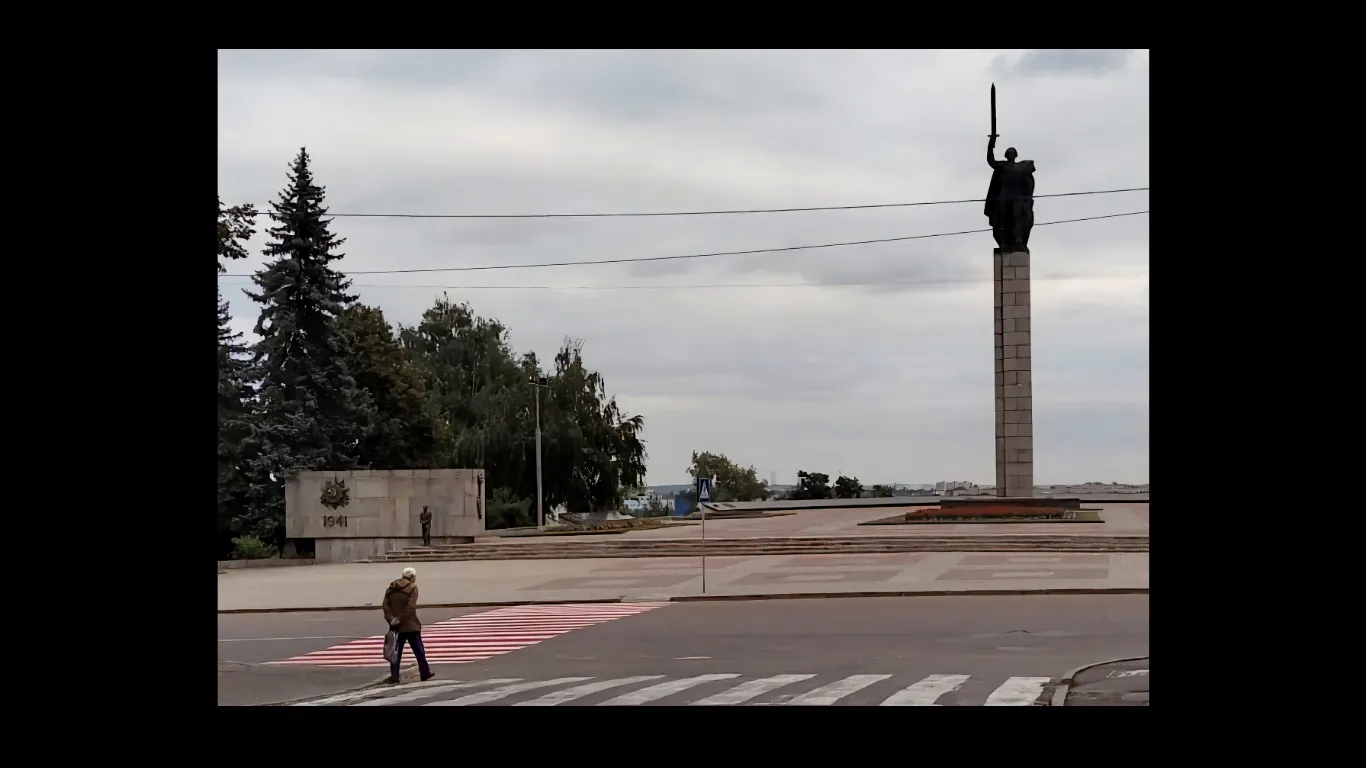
x,y
942,281
641,259
689,213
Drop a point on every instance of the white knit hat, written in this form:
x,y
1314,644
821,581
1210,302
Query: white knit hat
x,y
410,573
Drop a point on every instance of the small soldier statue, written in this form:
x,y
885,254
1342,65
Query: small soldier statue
x,y
426,519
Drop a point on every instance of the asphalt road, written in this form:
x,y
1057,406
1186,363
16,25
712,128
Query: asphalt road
x,y
1122,684
247,641
950,651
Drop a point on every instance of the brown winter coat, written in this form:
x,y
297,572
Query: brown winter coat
x,y
400,602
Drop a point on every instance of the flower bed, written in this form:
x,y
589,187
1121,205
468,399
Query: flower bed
x,y
976,512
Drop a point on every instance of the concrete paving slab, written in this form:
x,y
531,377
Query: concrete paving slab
x,y
1120,520
361,585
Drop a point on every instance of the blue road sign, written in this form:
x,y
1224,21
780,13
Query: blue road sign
x,y
704,490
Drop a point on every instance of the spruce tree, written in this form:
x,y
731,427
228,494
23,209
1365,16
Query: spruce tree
x,y
310,413
235,227
234,424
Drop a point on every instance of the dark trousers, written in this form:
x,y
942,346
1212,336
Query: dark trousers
x,y
414,639
426,535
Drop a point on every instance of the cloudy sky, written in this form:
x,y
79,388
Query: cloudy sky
x,y
871,360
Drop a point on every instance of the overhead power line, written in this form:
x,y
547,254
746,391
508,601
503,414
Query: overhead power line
x,y
878,284
641,259
691,213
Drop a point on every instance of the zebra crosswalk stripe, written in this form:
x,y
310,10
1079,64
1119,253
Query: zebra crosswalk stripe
x,y
579,691
663,689
929,691
404,697
752,689
484,697
926,692
829,694
349,699
1017,692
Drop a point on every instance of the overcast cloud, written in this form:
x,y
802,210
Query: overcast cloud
x,y
889,380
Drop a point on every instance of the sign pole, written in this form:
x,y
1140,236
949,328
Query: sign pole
x,y
704,498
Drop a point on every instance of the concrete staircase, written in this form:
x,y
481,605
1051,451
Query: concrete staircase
x,y
844,545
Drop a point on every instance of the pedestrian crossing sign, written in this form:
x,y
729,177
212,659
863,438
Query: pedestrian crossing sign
x,y
704,490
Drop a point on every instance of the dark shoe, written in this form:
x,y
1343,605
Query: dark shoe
x,y
391,680
428,676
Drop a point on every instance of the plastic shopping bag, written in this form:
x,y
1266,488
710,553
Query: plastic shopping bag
x,y
390,646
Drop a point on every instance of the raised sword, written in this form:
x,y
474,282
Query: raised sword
x,y
994,134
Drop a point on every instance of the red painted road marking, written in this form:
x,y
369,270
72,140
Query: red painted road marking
x,y
478,636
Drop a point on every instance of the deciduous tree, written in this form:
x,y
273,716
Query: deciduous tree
x,y
848,488
811,485
733,482
405,432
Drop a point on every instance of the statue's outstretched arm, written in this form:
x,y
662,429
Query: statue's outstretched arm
x,y
991,154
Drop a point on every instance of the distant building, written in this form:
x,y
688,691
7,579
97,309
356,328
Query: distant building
x,y
956,488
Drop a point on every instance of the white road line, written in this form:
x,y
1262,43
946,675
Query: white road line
x,y
405,695
483,697
746,691
367,693
926,692
1017,692
829,694
579,691
663,689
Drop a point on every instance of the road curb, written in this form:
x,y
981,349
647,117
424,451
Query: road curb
x,y
374,684
914,593
424,606
720,598
1064,685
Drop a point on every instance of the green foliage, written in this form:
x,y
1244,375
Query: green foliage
x,y
235,227
733,483
477,392
882,491
594,447
330,386
848,488
310,413
504,510
406,434
811,485
252,548
486,399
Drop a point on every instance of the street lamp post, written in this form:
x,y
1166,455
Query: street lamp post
x,y
538,383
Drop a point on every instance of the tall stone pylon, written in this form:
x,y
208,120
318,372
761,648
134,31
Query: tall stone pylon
x,y
1014,384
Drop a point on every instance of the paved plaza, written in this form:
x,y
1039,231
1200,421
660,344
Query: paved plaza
x,y
1120,520
497,581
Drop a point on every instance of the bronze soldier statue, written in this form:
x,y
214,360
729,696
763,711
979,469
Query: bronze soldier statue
x,y
1010,199
1010,196
426,519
